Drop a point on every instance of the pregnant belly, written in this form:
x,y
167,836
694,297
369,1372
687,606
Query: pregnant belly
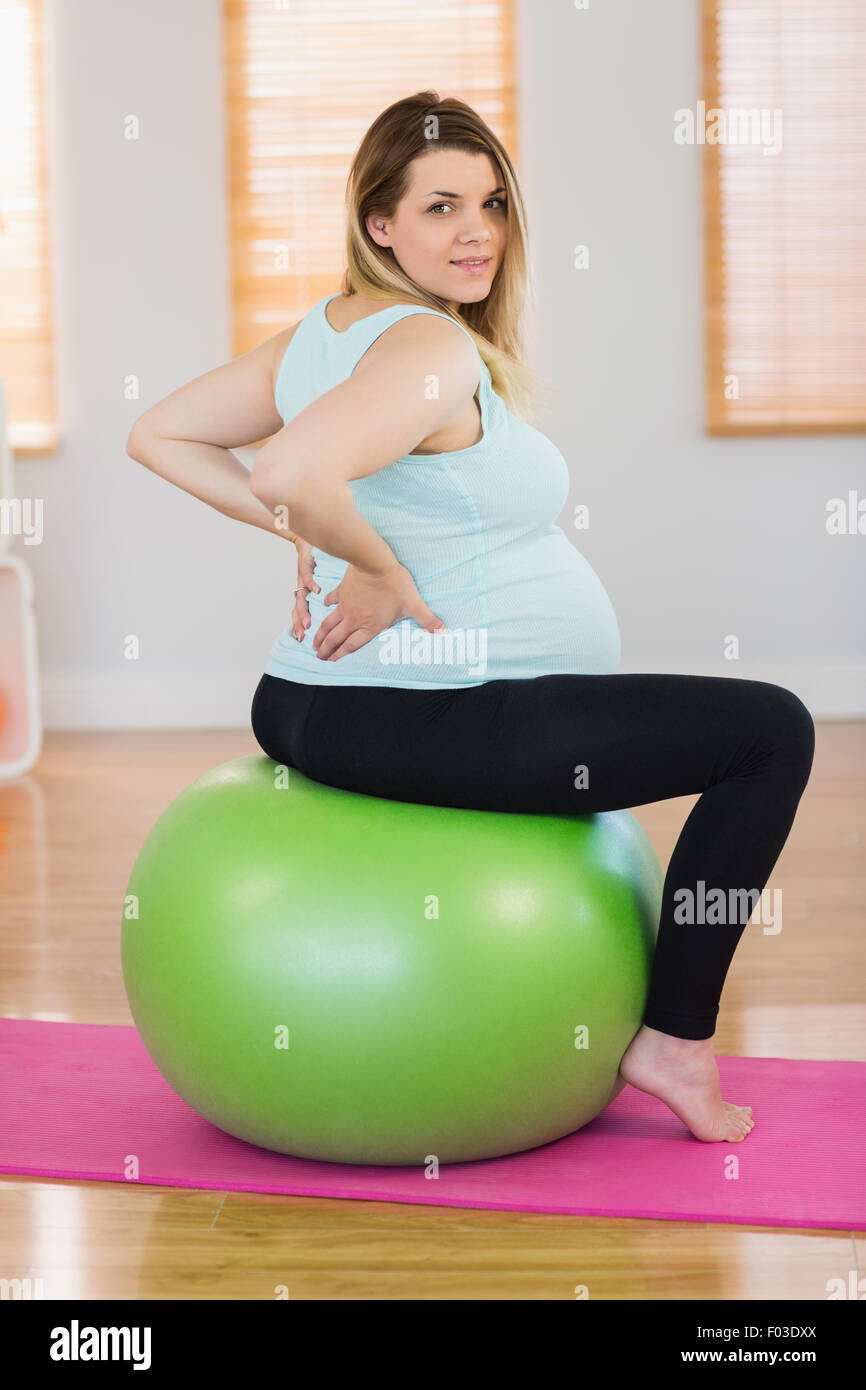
x,y
536,608
552,613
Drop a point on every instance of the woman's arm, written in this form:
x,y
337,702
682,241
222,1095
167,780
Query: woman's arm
x,y
187,437
412,382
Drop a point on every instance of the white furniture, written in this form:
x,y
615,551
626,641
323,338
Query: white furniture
x,y
20,712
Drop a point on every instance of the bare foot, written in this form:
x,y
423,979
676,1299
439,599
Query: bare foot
x,y
684,1074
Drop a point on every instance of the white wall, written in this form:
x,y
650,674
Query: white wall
x,y
694,538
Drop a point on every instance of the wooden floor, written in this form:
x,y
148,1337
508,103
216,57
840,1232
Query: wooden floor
x,y
69,833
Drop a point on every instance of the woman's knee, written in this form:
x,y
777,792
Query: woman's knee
x,y
791,726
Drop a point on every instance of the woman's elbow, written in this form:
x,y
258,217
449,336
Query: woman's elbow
x,y
272,488
136,444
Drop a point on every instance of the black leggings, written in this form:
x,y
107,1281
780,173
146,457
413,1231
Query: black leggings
x,y
514,745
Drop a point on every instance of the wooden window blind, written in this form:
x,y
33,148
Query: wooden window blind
x,y
785,232
304,80
26,320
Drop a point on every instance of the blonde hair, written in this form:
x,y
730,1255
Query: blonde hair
x,y
379,179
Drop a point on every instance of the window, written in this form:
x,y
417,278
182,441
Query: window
x,y
785,209
304,80
26,329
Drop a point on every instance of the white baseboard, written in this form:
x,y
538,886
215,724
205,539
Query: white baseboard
x,y
136,701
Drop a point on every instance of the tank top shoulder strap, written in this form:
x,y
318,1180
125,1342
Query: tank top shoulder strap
x,y
362,334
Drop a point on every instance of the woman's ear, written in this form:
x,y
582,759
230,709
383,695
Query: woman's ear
x,y
378,229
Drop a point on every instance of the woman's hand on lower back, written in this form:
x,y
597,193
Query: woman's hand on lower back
x,y
368,604
306,582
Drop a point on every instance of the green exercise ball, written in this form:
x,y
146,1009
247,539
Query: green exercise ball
x,y
338,976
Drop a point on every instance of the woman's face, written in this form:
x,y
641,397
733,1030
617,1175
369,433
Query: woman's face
x,y
454,211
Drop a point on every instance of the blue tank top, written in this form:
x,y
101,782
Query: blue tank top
x,y
475,527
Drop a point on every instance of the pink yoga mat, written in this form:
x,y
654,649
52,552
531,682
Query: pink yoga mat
x,y
76,1099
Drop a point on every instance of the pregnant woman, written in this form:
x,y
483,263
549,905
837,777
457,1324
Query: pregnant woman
x,y
400,464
